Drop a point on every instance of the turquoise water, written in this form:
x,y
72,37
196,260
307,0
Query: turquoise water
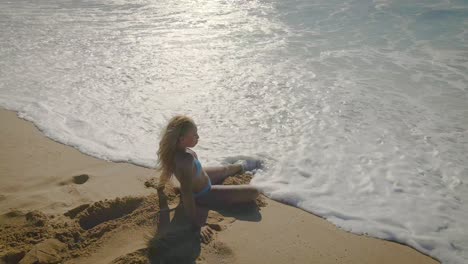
x,y
359,108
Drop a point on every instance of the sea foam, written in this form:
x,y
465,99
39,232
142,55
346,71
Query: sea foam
x,y
358,108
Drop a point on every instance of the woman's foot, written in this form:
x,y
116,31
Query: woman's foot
x,y
250,165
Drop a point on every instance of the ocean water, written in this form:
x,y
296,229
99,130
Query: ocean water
x,y
358,108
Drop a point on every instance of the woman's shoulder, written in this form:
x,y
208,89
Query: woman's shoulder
x,y
192,152
183,158
183,164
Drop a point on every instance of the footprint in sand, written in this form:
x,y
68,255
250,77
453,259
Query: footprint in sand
x,y
78,179
217,252
90,216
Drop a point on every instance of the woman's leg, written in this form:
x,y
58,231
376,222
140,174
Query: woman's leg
x,y
218,174
228,195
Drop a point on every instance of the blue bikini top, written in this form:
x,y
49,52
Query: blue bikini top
x,y
198,165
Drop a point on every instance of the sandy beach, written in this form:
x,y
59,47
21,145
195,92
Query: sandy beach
x,y
58,205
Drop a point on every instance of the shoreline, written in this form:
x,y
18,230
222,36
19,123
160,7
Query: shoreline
x,y
42,175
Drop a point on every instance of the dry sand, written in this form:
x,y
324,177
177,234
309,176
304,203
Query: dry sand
x,y
58,205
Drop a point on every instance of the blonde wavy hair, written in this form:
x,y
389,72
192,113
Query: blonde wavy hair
x,y
177,127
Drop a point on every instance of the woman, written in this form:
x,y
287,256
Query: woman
x,y
198,185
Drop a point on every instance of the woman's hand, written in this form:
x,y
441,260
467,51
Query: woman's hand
x,y
206,234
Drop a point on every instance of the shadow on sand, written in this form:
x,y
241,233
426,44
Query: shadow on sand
x,y
175,242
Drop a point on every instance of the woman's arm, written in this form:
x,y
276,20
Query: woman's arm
x,y
185,170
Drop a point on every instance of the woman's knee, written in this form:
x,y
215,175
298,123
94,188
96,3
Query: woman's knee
x,y
253,192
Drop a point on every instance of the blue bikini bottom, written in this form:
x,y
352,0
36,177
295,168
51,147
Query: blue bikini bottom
x,y
204,191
